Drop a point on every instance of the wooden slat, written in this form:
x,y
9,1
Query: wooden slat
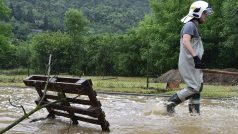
x,y
49,109
60,84
93,121
36,78
66,103
91,94
73,100
77,101
93,113
59,87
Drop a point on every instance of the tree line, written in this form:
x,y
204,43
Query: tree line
x,y
151,47
31,16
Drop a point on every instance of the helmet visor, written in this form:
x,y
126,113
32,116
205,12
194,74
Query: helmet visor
x,y
209,11
186,19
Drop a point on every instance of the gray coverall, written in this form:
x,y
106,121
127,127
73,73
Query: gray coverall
x,y
191,76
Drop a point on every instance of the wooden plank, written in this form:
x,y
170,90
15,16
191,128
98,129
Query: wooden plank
x,y
81,81
93,121
59,87
93,113
60,84
66,103
74,100
91,94
38,78
50,110
67,88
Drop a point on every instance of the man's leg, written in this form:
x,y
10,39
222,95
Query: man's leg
x,y
194,102
179,97
172,102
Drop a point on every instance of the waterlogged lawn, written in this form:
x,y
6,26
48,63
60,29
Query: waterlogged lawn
x,y
12,80
220,91
126,85
215,91
131,85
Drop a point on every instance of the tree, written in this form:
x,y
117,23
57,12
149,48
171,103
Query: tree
x,y
30,16
59,45
159,34
127,55
12,9
18,13
210,33
46,23
75,24
4,10
7,56
100,55
229,54
23,54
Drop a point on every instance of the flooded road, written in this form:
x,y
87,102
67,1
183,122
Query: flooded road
x,y
126,115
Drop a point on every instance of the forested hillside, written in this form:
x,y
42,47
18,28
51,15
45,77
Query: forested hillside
x,y
115,16
98,38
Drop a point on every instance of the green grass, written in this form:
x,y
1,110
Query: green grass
x,y
215,91
17,71
220,91
131,85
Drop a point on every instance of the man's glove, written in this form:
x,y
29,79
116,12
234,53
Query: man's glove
x,y
197,62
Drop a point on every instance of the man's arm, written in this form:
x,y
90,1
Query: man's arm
x,y
188,46
186,42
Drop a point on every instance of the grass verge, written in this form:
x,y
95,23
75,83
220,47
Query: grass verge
x,y
131,85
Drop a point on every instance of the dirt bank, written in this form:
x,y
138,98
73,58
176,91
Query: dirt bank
x,y
209,78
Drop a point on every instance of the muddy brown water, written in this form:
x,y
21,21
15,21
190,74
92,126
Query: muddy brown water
x,y
126,115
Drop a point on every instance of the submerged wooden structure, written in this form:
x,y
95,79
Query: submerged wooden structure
x,y
85,107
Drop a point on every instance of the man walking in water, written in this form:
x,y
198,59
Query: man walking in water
x,y
191,51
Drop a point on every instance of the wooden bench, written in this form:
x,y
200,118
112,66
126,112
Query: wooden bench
x,y
86,110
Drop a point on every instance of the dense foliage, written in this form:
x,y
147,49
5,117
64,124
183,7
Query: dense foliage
x,y
32,16
7,57
149,48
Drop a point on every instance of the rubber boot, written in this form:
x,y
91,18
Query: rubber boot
x,y
172,102
194,108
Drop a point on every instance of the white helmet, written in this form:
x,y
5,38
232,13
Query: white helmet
x,y
196,10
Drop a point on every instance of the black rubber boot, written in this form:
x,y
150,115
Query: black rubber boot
x,y
172,102
194,108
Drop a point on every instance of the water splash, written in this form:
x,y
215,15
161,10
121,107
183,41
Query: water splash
x,y
155,108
